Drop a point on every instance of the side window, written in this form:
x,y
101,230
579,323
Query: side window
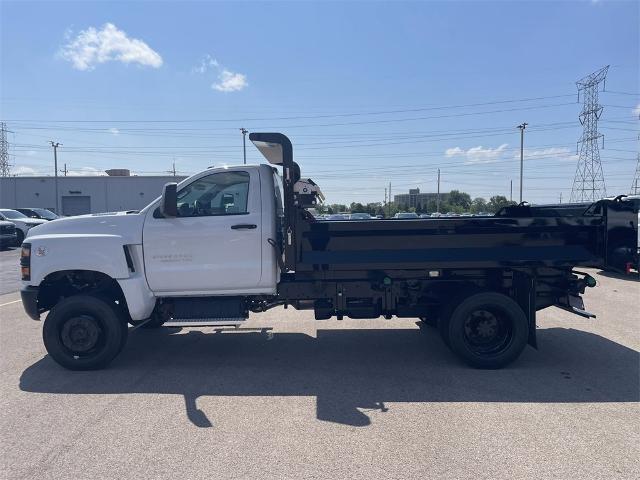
x,y
224,193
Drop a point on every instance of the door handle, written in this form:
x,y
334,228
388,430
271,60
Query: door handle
x,y
244,226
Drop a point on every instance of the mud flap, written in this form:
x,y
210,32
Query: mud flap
x,y
525,295
574,304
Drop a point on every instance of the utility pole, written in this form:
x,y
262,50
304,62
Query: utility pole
x,y
560,197
5,168
244,132
389,203
64,170
522,126
438,195
55,146
511,190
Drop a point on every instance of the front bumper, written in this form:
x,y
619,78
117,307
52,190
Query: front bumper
x,y
29,296
9,240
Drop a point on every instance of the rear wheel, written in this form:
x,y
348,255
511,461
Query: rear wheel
x,y
488,330
84,332
19,237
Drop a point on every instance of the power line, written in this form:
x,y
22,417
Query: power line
x,y
307,117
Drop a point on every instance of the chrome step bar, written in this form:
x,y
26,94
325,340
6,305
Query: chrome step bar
x,y
205,322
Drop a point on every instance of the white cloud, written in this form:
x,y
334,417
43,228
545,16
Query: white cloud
x,y
452,152
477,154
636,111
114,131
207,63
85,171
230,81
91,47
23,170
227,80
559,153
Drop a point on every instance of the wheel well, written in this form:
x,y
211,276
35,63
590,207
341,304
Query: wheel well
x,y
66,283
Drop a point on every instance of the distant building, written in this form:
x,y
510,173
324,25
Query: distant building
x,y
80,195
415,199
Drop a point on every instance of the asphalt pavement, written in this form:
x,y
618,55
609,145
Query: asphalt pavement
x,y
9,270
289,397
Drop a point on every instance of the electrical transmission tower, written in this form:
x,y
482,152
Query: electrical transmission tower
x,y
635,185
5,168
588,184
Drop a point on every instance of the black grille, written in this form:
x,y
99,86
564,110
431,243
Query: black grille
x,y
7,228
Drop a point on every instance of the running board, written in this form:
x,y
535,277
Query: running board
x,y
205,322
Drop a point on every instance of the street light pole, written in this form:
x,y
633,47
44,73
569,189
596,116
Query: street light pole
x,y
521,127
438,195
244,132
55,146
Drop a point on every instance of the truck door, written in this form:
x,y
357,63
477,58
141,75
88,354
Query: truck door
x,y
214,244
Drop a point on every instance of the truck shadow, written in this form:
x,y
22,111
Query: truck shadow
x,y
349,371
631,277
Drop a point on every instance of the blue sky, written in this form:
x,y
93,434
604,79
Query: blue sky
x,y
369,93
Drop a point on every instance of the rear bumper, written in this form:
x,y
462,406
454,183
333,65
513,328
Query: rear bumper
x,y
29,296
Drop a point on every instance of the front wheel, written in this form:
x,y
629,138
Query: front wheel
x,y
84,332
19,237
488,330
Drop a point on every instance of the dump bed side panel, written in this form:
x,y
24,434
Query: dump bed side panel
x,y
449,243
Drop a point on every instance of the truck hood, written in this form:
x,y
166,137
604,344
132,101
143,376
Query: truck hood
x,y
127,225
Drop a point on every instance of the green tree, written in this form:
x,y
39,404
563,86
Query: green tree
x,y
459,199
497,202
478,205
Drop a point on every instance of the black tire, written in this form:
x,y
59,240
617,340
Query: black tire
x,y
488,330
19,237
84,332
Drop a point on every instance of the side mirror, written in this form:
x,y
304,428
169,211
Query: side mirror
x,y
169,202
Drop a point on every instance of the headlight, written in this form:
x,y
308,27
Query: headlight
x,y
25,261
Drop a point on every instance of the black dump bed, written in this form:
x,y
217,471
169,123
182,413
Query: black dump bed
x,y
472,242
520,236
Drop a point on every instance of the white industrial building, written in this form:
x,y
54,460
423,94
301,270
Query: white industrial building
x,y
86,194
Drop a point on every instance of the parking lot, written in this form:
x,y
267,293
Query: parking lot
x,y
9,270
291,397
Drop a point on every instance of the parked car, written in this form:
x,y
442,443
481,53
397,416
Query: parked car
x,y
8,237
360,216
21,221
405,215
41,213
425,215
338,216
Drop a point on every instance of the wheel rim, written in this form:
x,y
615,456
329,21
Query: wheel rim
x,y
488,331
82,335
